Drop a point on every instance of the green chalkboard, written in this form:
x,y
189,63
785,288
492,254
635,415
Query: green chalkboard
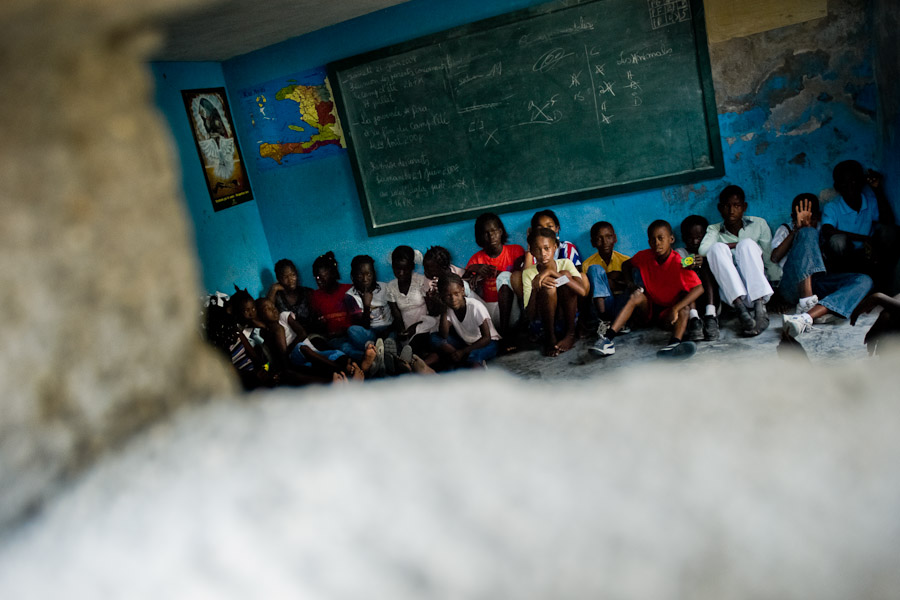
x,y
564,101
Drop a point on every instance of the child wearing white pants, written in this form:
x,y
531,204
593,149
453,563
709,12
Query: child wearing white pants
x,y
737,250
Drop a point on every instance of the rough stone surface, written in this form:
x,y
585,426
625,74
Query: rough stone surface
x,y
100,299
763,480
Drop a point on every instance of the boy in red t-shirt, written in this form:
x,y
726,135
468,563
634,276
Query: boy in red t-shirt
x,y
669,289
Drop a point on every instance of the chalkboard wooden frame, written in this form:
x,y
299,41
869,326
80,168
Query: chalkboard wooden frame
x,y
715,168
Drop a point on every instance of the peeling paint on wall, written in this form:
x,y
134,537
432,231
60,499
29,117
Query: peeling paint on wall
x,y
800,159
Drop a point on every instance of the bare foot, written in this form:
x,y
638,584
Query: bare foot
x,y
338,378
419,366
550,348
354,372
368,357
567,343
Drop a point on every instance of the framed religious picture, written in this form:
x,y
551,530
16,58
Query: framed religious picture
x,y
217,145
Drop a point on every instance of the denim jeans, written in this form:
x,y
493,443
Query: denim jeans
x,y
841,292
838,292
475,356
297,357
353,343
803,259
613,303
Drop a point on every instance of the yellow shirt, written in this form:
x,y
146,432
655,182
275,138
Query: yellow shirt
x,y
563,266
615,262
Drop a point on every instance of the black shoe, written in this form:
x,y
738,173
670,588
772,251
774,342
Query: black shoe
x,y
694,330
677,351
710,328
748,323
761,316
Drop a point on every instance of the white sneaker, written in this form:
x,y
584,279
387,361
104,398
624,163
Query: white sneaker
x,y
806,304
603,347
795,325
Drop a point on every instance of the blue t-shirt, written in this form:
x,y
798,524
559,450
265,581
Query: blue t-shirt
x,y
840,216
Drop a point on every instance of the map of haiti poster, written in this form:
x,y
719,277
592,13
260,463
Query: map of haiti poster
x,y
292,120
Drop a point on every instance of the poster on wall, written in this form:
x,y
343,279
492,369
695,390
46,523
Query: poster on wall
x,y
213,129
292,119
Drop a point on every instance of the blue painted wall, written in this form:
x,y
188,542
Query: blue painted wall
x,y
772,148
232,244
886,17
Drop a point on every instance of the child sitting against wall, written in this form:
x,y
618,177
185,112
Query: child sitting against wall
x,y
804,280
372,316
282,331
668,290
288,294
406,298
224,329
331,307
547,218
551,286
292,366
489,269
859,234
738,251
604,273
693,229
466,336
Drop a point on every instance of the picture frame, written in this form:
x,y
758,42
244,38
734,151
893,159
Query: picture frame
x,y
217,146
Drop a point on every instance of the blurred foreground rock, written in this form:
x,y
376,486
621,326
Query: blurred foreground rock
x,y
99,304
643,484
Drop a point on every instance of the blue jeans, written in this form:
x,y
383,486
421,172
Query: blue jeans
x,y
298,358
613,303
475,356
353,343
838,292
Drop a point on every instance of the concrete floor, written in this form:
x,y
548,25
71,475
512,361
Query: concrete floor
x,y
834,342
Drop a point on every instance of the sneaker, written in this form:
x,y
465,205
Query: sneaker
x,y
806,304
406,354
390,346
748,323
695,330
677,350
625,329
603,347
378,367
795,325
710,328
760,315
826,319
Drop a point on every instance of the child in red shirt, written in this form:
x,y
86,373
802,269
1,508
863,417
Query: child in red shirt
x,y
330,305
669,289
494,261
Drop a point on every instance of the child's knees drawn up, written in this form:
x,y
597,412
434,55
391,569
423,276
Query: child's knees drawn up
x,y
637,297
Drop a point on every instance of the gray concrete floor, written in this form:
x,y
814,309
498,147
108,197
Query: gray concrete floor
x,y
834,342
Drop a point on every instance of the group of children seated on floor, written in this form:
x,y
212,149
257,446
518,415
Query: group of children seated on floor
x,y
824,262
